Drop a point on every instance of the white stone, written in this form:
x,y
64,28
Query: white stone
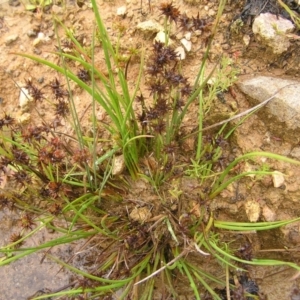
x,y
24,98
271,30
278,179
180,53
188,36
118,165
186,44
161,37
150,26
121,11
41,36
252,209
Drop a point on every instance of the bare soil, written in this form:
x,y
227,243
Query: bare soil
x,y
25,277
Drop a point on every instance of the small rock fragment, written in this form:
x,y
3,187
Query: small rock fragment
x,y
31,33
57,10
14,3
246,39
51,33
268,214
10,39
161,37
271,30
150,26
23,118
186,44
180,53
252,209
285,107
118,165
36,42
188,36
278,179
121,11
295,153
24,98
140,214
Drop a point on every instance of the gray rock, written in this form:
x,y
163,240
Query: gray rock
x,y
295,153
31,33
281,114
271,30
10,39
14,3
150,26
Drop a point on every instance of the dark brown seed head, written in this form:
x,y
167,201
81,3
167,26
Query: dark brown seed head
x,y
158,88
159,126
200,24
62,108
174,78
170,11
186,90
57,90
16,237
19,155
81,156
22,178
185,23
83,75
34,92
27,221
161,107
153,69
5,201
8,120
171,148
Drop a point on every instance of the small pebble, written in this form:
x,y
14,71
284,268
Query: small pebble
x,y
14,3
268,214
41,79
31,33
212,12
51,33
252,209
24,98
278,179
246,39
186,44
150,26
180,53
10,39
161,37
118,165
140,214
121,11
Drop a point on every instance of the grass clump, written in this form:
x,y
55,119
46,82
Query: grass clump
x,y
70,186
